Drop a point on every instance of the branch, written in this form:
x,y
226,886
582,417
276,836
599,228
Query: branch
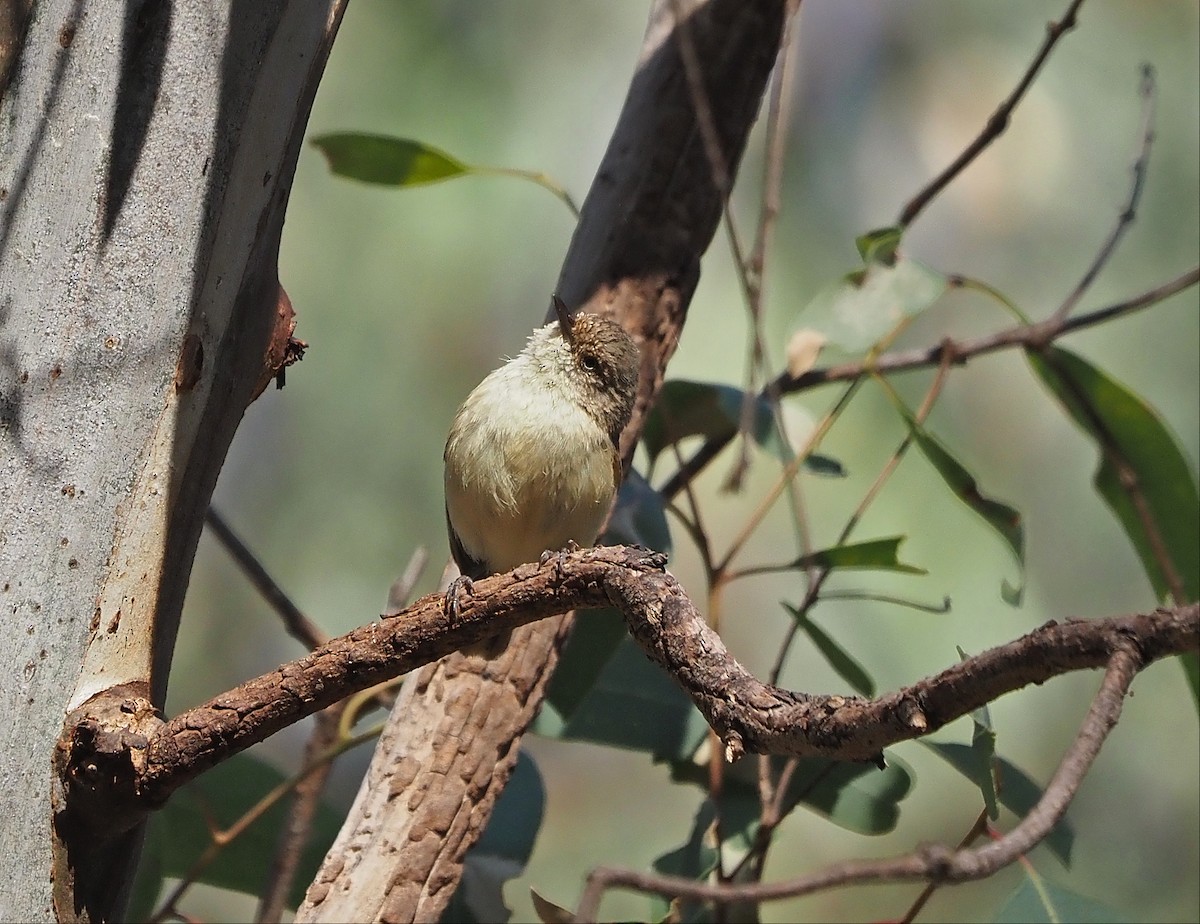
x,y
117,771
933,863
1032,336
996,124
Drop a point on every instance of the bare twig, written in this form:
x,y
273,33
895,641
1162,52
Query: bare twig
x,y
1025,335
996,124
933,863
299,626
1129,211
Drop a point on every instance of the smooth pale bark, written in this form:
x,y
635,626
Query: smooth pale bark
x,y
146,154
452,739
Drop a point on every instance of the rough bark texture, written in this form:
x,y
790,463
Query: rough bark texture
x,y
148,154
635,256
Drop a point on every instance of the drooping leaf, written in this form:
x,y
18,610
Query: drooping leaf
x,y
1002,518
1044,902
863,307
387,161
1015,789
639,516
548,912
180,831
849,669
1138,453
879,554
503,850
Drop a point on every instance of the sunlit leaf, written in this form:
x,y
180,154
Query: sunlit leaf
x,y
803,348
1047,903
879,554
863,307
839,659
548,912
1015,789
387,161
1131,435
1005,520
503,850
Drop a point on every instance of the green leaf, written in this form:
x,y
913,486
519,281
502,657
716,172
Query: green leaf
x,y
387,161
503,850
1043,902
839,659
714,411
878,554
548,912
639,517
879,246
1005,520
1131,436
1190,662
623,701
856,796
694,859
224,794
863,307
1015,789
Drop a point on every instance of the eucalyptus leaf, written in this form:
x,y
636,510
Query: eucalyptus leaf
x,y
694,859
879,554
387,161
639,516
849,669
1045,902
1002,518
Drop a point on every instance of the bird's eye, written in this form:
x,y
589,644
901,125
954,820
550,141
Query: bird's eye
x,y
590,363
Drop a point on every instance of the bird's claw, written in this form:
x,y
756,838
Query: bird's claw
x,y
453,605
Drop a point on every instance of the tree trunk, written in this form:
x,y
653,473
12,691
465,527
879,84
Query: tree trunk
x,y
148,149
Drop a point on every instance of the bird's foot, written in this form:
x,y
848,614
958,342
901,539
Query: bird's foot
x,y
559,558
459,586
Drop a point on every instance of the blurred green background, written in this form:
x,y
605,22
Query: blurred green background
x,y
407,298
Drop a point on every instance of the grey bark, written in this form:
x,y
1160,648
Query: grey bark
x,y
146,154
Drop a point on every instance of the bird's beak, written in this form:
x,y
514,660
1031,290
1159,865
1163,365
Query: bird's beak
x,y
565,321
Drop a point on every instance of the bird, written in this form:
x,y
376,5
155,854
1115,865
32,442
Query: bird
x,y
532,461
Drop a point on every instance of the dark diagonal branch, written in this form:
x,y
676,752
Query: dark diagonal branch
x,y
118,771
933,863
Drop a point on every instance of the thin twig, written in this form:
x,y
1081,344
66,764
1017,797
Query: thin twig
x,y
1025,335
996,124
1129,211
299,626
934,863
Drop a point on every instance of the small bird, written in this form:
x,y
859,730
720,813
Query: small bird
x,y
531,460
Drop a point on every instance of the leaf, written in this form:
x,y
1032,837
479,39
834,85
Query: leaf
x,y
225,793
863,307
856,796
803,348
1015,789
504,848
694,859
548,912
705,409
1005,520
1046,903
623,700
875,553
387,161
1129,433
879,246
639,516
838,658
